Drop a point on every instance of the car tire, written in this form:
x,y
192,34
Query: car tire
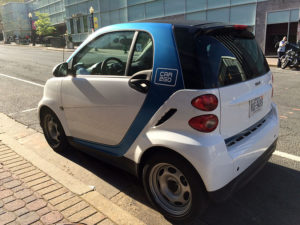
x,y
53,131
174,187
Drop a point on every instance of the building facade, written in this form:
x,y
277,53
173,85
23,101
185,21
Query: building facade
x,y
275,19
270,20
118,11
55,9
15,20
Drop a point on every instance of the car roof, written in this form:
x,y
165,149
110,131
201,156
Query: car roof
x,y
189,23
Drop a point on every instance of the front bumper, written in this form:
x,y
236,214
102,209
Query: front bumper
x,y
226,191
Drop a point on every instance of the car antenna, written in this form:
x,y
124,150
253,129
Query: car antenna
x,y
64,53
65,36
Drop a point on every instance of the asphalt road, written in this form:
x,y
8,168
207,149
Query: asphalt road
x,y
271,198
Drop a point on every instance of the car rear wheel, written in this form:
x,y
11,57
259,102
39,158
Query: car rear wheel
x,y
53,131
174,187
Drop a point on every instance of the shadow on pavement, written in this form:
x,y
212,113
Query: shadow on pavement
x,y
271,198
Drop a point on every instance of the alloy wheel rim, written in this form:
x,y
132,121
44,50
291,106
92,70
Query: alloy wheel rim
x,y
52,130
170,189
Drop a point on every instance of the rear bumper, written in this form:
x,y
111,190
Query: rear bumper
x,y
226,191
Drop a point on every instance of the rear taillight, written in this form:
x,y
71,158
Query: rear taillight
x,y
206,102
240,27
204,123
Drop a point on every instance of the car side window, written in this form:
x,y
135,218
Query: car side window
x,y
143,54
106,55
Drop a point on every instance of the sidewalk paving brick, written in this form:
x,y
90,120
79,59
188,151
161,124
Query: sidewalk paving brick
x,y
36,204
15,205
85,213
94,219
30,196
7,218
28,218
52,217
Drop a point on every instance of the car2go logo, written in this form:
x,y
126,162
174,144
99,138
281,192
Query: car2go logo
x,y
166,77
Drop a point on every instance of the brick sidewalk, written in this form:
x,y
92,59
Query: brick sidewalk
x,y
29,196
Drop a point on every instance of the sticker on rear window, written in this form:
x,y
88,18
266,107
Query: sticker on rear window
x,y
166,77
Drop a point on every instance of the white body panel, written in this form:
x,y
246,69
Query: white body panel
x,y
234,100
52,99
99,108
215,162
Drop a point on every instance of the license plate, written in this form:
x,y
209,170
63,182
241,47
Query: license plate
x,y
255,105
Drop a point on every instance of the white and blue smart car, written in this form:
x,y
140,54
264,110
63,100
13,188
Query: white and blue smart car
x,y
187,107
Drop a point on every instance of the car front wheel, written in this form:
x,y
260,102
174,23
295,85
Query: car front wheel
x,y
174,187
53,131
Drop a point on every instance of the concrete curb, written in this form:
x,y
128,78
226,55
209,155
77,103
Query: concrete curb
x,y
114,212
14,134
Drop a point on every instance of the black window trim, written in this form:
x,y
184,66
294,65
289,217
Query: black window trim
x,y
132,51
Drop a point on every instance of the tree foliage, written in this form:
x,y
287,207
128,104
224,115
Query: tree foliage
x,y
43,24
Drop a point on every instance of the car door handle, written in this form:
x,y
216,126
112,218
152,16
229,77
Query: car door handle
x,y
140,81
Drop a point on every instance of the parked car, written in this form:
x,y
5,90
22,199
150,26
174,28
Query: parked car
x,y
186,106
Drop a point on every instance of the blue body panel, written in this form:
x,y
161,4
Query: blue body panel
x,y
166,79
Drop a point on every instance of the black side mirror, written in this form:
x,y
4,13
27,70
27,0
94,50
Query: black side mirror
x,y
60,70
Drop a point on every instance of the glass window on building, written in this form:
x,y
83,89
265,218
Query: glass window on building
x,y
155,9
174,7
295,15
105,19
73,9
218,15
136,12
196,16
72,26
195,5
278,17
58,7
85,24
83,8
78,25
117,4
114,17
123,15
52,9
244,14
217,3
237,2
134,2
105,5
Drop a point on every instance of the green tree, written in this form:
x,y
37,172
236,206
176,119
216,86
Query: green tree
x,y
43,24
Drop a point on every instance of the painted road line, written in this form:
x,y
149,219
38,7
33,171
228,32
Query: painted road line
x,y
25,81
24,111
28,110
287,156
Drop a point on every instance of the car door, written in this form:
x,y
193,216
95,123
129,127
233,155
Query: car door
x,y
111,76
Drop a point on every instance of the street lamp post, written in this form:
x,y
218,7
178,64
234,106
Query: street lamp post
x,y
31,30
92,16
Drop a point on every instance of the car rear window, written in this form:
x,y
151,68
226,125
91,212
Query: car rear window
x,y
219,59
